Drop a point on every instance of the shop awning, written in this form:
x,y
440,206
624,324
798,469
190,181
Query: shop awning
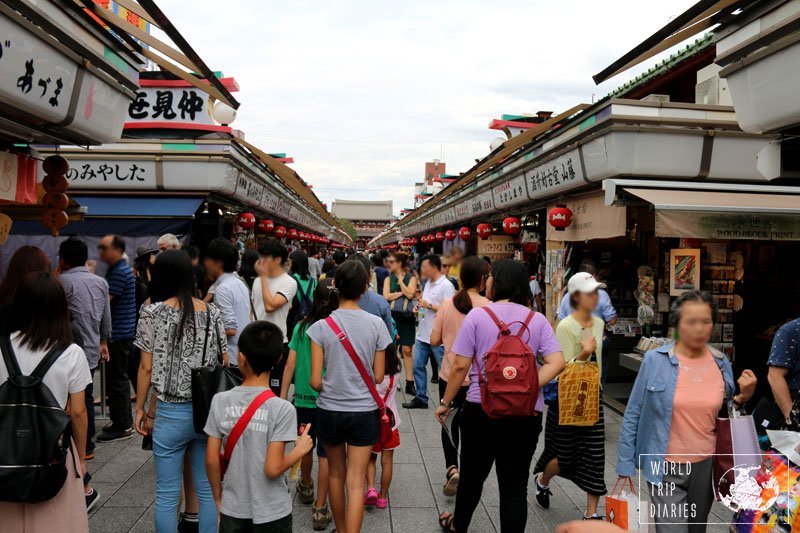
x,y
144,207
709,214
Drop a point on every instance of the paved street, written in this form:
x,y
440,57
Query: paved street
x,y
125,476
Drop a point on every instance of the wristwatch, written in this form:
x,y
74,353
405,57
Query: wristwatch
x,y
448,405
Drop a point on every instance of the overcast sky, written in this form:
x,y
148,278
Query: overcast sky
x,y
362,93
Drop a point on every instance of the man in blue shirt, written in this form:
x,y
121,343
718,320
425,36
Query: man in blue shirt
x,y
605,310
231,295
122,293
784,366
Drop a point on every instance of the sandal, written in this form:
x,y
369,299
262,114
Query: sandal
x,y
451,485
446,522
371,497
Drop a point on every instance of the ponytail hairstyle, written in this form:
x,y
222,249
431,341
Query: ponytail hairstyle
x,y
473,271
393,365
325,302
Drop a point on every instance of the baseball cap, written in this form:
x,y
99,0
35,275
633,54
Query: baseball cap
x,y
583,282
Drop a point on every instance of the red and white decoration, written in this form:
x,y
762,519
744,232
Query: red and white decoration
x,y
292,234
450,235
484,230
512,226
246,220
560,217
439,237
266,226
465,233
280,232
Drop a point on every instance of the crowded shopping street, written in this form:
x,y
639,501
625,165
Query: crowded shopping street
x,y
311,291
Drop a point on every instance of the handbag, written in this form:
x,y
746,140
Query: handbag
x,y
579,394
386,415
403,307
208,380
239,427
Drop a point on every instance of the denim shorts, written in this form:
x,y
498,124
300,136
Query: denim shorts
x,y
308,415
356,429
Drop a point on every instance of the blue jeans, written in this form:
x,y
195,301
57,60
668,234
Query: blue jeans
x,y
173,436
422,353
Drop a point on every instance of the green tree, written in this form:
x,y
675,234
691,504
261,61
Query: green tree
x,y
348,227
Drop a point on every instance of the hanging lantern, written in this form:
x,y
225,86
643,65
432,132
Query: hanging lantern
x,y
280,232
465,233
246,220
266,226
55,200
55,220
450,235
530,247
560,217
484,230
439,236
413,241
55,165
292,234
512,226
5,227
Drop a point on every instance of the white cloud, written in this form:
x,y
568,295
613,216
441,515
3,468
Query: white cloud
x,y
362,93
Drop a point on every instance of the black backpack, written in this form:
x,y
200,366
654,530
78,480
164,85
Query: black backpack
x,y
35,433
301,306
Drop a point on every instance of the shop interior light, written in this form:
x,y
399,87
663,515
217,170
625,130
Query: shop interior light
x,y
205,208
219,210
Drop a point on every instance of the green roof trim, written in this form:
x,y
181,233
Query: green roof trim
x,y
665,66
182,147
514,118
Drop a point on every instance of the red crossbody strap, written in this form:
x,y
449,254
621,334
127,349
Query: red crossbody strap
x,y
370,382
241,424
389,390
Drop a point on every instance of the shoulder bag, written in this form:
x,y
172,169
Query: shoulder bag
x,y
403,307
208,380
387,417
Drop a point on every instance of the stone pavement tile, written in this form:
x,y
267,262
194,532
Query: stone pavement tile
x,y
375,520
428,435
106,490
418,521
116,472
408,452
534,524
138,491
146,523
105,452
115,519
410,487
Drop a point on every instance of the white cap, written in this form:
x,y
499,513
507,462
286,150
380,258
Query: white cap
x,y
583,282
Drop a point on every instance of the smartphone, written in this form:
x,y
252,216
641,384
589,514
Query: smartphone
x,y
586,334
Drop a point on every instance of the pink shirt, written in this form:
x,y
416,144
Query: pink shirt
x,y
447,322
699,394
479,332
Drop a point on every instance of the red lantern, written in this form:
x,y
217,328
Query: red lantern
x,y
246,220
530,247
465,233
266,226
439,236
302,235
512,226
484,230
450,235
292,234
280,232
560,217
430,238
412,241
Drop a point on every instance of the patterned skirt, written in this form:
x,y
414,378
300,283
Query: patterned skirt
x,y
580,450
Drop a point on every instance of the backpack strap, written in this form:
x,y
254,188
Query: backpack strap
x,y
500,324
370,382
9,358
45,364
243,421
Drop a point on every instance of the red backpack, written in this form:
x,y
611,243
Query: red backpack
x,y
510,378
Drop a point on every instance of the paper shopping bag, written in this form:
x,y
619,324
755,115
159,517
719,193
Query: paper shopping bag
x,y
579,394
737,453
622,506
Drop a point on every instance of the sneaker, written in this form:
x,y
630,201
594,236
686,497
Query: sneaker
x,y
411,390
112,435
371,497
305,492
593,517
188,523
415,403
542,493
321,517
91,499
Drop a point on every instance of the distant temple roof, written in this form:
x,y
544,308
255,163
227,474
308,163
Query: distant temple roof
x,y
378,210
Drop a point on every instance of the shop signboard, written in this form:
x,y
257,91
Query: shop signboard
x,y
556,176
510,193
591,219
496,247
482,203
172,105
110,174
717,225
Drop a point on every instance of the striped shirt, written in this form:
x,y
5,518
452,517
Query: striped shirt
x,y
122,288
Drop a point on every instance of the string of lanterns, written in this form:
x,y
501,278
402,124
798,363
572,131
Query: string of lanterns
x,y
247,221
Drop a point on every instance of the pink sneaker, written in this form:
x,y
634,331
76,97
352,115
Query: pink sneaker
x,y
381,503
371,498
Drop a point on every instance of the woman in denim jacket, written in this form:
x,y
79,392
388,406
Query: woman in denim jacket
x,y
669,429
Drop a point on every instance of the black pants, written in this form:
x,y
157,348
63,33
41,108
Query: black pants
x,y
451,451
118,388
89,397
509,444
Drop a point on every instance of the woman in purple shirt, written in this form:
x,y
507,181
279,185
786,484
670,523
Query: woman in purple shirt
x,y
509,443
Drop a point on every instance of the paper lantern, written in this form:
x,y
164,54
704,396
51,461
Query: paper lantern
x,y
484,230
450,235
413,241
292,234
266,226
246,220
560,217
55,183
512,226
55,220
439,237
465,233
280,232
55,200
55,165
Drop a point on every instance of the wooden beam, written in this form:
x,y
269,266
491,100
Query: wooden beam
x,y
124,26
133,7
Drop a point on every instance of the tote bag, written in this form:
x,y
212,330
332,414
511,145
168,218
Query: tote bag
x,y
579,394
737,449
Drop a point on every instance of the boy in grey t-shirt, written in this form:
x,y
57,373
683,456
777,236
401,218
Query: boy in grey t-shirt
x,y
252,495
